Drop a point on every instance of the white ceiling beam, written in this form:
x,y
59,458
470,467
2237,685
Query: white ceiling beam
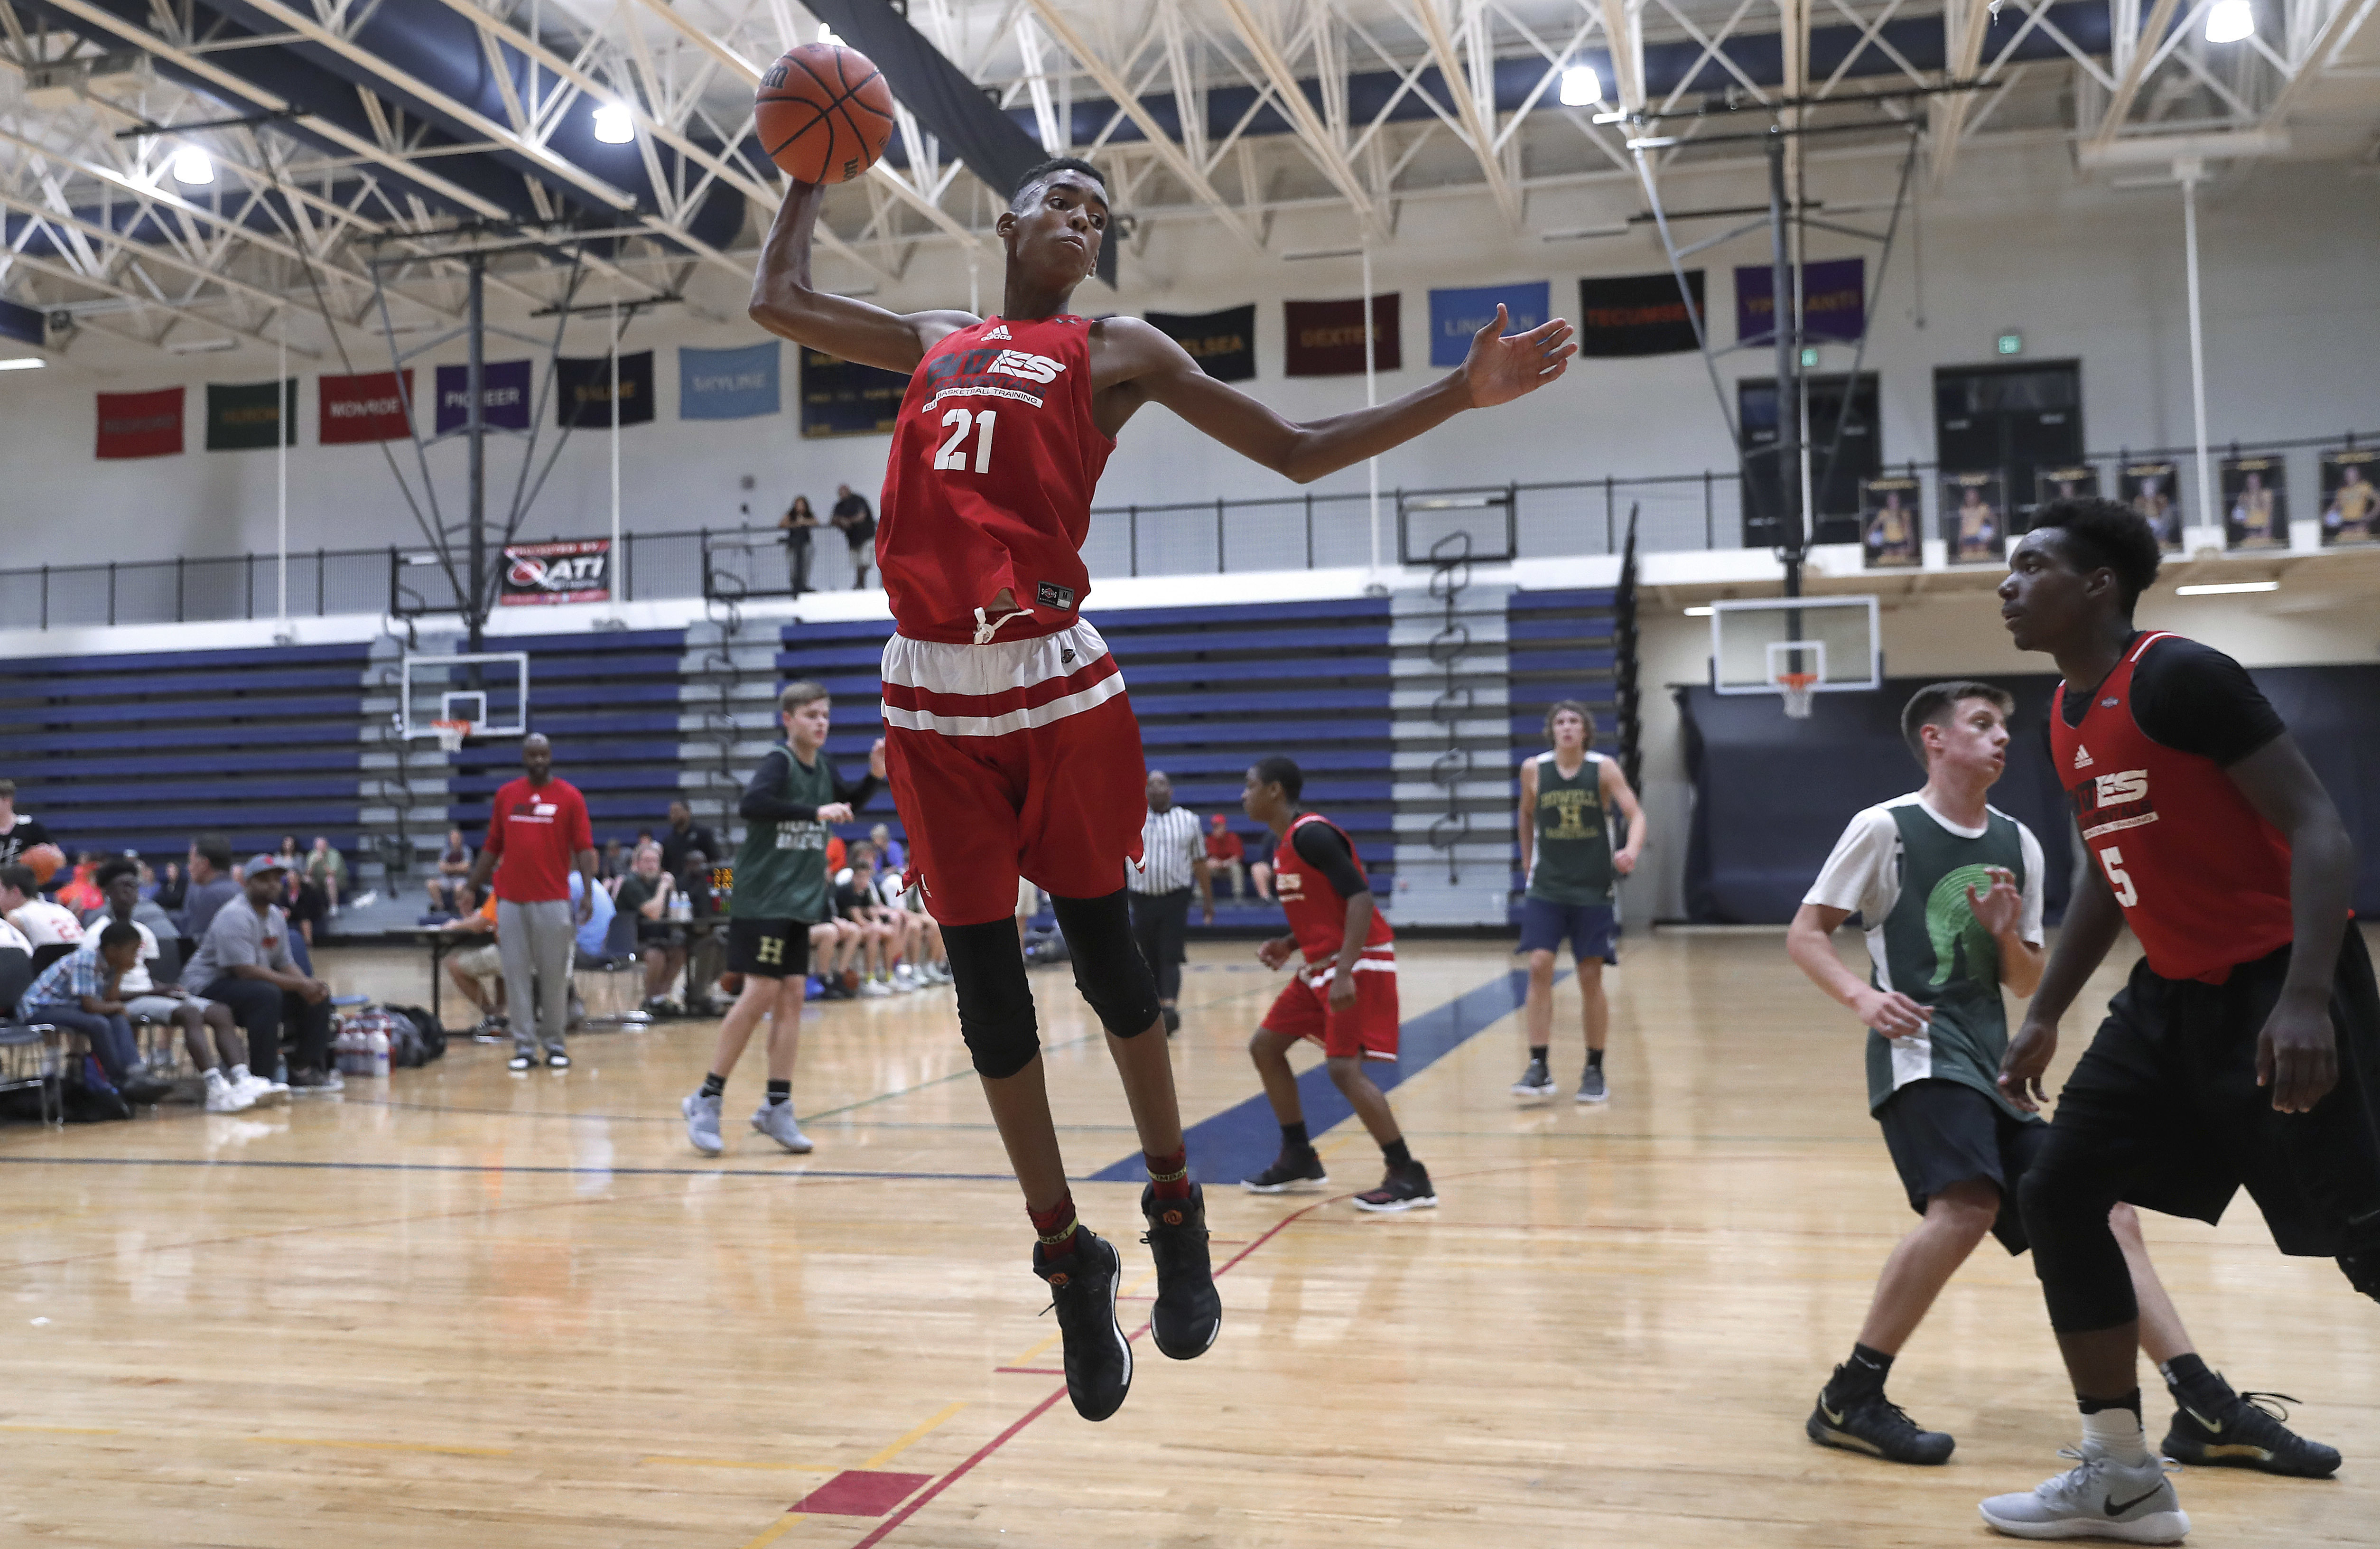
x,y
1965,24
2141,51
1623,32
180,311
1290,93
2345,20
1476,118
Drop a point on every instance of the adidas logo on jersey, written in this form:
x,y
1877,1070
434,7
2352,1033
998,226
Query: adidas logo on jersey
x,y
1000,333
2081,756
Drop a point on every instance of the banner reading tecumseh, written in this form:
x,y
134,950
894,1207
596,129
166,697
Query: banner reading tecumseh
x,y
1623,315
1224,343
576,571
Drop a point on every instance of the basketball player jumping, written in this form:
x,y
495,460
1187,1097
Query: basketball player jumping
x,y
2245,1047
1012,746
1567,798
1949,888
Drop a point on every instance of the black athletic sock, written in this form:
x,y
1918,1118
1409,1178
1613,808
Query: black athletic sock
x,y
2193,1386
1538,1054
1864,1372
713,1084
1293,1137
1397,1155
779,1091
2093,1406
1595,1059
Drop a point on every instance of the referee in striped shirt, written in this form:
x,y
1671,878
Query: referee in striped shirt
x,y
1172,855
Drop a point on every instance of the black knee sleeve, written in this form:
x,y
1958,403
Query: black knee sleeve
x,y
1109,967
2083,1277
995,1002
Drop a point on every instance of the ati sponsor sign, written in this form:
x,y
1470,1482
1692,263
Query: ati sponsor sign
x,y
363,409
578,571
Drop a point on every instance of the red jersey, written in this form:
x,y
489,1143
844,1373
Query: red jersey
x,y
989,486
2204,880
1317,915
534,831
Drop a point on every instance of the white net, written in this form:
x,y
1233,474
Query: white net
x,y
451,733
1799,688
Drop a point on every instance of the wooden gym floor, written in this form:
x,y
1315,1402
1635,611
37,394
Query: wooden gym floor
x,y
474,1309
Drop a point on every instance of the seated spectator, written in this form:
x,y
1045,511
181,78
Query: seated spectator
x,y
479,973
855,900
245,962
25,840
327,869
892,855
613,865
211,884
145,911
683,837
450,885
923,961
704,953
80,893
38,919
306,904
289,855
1227,856
646,893
208,1031
592,936
82,992
173,888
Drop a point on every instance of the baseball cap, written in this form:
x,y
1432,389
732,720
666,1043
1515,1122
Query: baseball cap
x,y
262,861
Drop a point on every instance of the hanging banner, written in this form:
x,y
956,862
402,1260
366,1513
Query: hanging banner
x,y
243,416
2076,482
26,324
2256,501
842,398
1623,315
576,571
2350,501
725,383
140,424
2154,490
1834,300
1455,315
1891,510
1973,530
503,395
582,391
1224,343
1326,338
354,409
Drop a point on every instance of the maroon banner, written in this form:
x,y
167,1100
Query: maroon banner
x,y
1326,338
577,570
140,424
366,408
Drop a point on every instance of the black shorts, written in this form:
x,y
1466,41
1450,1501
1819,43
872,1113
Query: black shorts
x,y
768,949
2164,1106
1944,1133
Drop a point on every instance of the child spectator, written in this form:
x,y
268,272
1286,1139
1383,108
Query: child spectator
x,y
82,992
38,919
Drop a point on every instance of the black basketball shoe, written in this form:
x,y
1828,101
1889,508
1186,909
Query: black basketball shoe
x,y
1083,1290
1296,1170
2245,1432
1405,1188
1872,1423
1189,1312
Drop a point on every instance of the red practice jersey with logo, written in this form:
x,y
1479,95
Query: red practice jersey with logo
x,y
1317,915
989,486
2202,879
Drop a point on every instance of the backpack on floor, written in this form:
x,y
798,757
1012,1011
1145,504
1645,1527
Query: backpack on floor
x,y
429,1040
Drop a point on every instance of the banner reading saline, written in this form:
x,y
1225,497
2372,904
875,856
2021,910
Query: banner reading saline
x,y
577,570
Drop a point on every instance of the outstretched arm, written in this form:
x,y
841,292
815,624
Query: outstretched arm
x,y
1148,367
785,303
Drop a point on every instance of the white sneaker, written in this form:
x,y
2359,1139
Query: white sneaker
x,y
875,989
776,1120
261,1093
225,1098
2097,1498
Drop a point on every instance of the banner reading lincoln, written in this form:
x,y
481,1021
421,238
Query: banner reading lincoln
x,y
1638,315
578,570
1326,338
140,424
363,409
1224,343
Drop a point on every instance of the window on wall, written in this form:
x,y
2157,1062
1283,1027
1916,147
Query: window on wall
x,y
2008,420
1836,466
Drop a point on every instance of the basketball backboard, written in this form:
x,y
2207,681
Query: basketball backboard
x,y
488,689
1757,644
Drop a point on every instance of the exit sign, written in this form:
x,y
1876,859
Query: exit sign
x,y
2011,344
1809,355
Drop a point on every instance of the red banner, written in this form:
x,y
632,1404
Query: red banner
x,y
1326,338
366,408
140,424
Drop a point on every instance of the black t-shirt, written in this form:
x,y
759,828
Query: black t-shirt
x,y
634,895
676,847
850,898
1327,851
764,798
2194,698
309,906
857,520
27,834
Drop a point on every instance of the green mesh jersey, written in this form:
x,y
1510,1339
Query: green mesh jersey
x,y
781,867
1573,862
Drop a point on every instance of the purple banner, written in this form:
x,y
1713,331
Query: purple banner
x,y
504,391
1834,300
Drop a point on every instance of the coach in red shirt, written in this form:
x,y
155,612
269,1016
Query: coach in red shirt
x,y
537,832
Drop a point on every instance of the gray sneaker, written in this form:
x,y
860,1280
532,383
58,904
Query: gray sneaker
x,y
702,1124
1590,1086
2097,1498
776,1121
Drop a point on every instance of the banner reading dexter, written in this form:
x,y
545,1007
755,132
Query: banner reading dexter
x,y
1834,300
140,424
503,395
354,409
582,391
576,571
1326,338
1621,315
726,384
1224,343
244,416
1455,315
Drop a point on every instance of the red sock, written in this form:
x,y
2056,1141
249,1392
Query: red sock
x,y
1055,1226
1169,1177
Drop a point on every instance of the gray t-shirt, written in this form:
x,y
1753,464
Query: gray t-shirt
x,y
238,938
199,910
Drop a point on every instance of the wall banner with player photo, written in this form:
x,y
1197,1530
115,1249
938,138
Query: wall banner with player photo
x,y
840,397
2350,501
351,411
2073,482
1625,315
578,570
728,384
1975,525
1892,514
2153,489
1224,343
1326,338
503,395
582,391
140,424
1456,315
2256,501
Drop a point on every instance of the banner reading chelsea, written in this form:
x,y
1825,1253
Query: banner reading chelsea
x,y
1455,315
578,570
727,383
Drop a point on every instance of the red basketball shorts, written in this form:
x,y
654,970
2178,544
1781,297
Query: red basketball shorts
x,y
1368,1028
1019,757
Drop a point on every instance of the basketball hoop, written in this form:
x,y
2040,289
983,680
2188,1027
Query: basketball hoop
x,y
1797,688
451,733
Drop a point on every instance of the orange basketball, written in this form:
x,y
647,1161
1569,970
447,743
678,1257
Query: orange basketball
x,y
45,861
823,112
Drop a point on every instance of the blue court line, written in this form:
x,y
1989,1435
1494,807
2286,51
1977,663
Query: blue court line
x,y
493,1167
1242,1139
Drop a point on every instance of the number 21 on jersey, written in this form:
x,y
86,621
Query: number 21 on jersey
x,y
953,454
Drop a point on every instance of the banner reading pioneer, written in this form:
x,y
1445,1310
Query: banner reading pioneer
x,y
577,570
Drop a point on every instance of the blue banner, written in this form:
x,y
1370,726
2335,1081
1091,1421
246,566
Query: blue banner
x,y
727,383
1455,315
21,322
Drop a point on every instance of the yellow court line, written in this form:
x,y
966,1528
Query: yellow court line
x,y
65,1429
1036,1350
730,1463
389,1446
911,1439
774,1530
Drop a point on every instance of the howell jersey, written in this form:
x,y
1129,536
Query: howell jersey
x,y
781,867
988,484
2202,879
1573,864
1317,915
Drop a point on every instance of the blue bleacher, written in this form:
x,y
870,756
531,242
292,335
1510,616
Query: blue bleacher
x,y
1561,647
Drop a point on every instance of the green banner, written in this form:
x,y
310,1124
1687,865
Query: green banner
x,y
241,415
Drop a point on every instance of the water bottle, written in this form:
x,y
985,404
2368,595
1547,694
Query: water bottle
x,y
376,1050
344,1047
